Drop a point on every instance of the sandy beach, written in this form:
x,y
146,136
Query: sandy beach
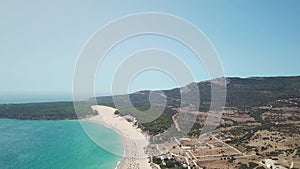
x,y
134,141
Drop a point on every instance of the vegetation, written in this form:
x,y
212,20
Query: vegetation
x,y
46,111
252,165
169,163
159,125
241,93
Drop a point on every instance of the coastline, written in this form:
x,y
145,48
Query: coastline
x,y
134,141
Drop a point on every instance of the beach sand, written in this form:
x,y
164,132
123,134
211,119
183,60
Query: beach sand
x,y
134,141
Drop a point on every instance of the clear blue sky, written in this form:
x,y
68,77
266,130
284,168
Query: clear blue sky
x,y
40,40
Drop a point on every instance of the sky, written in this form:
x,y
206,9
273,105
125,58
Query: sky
x,y
40,42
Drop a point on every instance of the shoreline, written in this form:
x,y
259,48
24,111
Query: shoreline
x,y
133,140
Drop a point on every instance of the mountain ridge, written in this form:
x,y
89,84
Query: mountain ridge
x,y
241,92
257,88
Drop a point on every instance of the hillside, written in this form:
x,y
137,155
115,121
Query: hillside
x,y
241,93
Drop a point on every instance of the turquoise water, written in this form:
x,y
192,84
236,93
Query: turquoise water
x,y
26,144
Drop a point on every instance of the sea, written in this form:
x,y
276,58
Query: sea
x,y
59,144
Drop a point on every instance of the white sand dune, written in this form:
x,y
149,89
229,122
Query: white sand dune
x,y
134,141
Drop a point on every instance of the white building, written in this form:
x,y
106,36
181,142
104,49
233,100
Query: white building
x,y
269,163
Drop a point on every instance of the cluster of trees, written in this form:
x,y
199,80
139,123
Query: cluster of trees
x,y
169,163
46,111
146,121
251,165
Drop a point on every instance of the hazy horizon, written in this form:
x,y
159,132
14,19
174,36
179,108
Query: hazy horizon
x,y
14,98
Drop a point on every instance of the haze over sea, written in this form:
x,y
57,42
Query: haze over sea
x,y
51,144
34,98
